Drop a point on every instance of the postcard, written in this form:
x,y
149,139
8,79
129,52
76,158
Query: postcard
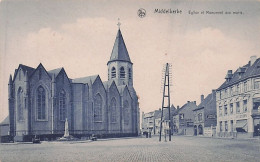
x,y
114,80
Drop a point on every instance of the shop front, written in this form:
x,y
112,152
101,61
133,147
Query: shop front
x,y
256,116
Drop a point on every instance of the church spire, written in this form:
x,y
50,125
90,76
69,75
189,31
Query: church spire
x,y
119,52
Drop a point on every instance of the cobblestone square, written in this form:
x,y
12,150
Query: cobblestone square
x,y
136,149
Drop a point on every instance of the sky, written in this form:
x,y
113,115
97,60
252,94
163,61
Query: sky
x,y
79,36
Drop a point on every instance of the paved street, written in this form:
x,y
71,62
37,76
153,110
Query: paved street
x,y
136,149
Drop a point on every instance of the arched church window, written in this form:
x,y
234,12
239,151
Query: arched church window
x,y
20,104
126,113
41,103
122,72
130,73
113,110
113,72
62,105
98,108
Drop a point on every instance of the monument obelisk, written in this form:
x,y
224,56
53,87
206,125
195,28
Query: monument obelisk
x,y
66,132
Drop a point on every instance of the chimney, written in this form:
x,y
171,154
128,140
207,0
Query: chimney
x,y
201,98
178,107
252,60
195,102
188,101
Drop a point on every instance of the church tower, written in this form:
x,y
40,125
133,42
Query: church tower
x,y
120,67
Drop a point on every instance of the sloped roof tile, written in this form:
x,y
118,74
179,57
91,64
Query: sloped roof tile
x,y
251,71
85,80
119,52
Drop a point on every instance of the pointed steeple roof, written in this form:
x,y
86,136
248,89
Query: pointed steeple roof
x,y
119,52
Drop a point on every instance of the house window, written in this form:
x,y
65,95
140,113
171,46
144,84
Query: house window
x,y
113,110
238,88
245,105
256,104
226,126
126,112
220,110
220,126
245,86
225,109
122,72
257,84
238,107
113,72
62,105
98,108
231,108
20,104
41,103
200,117
130,73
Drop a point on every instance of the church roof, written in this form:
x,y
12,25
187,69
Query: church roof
x,y
25,68
119,52
121,88
55,71
88,80
107,84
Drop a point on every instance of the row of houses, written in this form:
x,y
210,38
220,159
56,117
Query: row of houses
x,y
232,110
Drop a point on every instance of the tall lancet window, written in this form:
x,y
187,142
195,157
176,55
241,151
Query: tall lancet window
x,y
41,103
113,72
122,72
98,108
126,112
130,73
113,110
20,105
62,105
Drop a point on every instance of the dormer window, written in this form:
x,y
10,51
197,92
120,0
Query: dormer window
x,y
241,71
229,75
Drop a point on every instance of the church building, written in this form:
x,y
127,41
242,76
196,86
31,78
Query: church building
x,y
40,101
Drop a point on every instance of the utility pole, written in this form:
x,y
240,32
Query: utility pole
x,y
166,98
